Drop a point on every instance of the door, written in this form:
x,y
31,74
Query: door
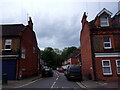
x,y
9,67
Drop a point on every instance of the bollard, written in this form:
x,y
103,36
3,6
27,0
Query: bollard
x,y
4,79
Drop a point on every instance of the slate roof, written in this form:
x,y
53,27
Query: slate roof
x,y
11,29
104,10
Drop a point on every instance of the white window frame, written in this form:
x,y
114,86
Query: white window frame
x,y
106,66
117,67
104,21
8,44
107,43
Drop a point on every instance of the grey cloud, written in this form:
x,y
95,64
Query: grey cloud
x,y
56,24
59,33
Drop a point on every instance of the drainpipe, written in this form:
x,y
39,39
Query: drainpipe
x,y
18,60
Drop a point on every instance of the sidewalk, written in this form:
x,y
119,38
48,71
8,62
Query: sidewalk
x,y
18,83
100,84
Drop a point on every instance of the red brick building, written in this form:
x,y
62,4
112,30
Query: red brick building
x,y
20,52
100,46
74,58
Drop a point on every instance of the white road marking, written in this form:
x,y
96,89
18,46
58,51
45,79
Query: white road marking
x,y
28,83
57,74
56,79
53,85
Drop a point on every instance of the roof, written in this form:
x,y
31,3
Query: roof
x,y
104,10
11,29
75,53
118,13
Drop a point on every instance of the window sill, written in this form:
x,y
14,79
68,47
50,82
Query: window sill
x,y
118,74
109,48
107,74
104,25
6,49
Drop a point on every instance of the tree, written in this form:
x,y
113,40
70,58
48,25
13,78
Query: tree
x,y
66,51
51,57
55,57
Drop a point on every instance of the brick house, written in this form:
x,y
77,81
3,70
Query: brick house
x,y
19,52
74,58
100,46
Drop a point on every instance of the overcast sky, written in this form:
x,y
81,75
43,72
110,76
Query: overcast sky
x,y
57,23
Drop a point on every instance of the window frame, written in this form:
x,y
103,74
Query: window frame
x,y
104,21
7,44
107,43
117,67
106,66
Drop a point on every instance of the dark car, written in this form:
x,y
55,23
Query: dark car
x,y
47,71
74,72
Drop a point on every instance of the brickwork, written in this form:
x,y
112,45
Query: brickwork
x,y
99,69
92,41
86,55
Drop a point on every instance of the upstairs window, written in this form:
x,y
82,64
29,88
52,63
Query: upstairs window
x,y
107,43
106,67
118,66
8,43
104,21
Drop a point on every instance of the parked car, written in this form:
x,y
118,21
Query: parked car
x,y
73,72
65,69
61,70
47,71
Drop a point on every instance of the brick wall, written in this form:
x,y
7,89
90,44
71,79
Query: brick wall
x,y
74,61
99,71
86,55
29,44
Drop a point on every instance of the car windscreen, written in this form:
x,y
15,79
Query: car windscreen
x,y
75,69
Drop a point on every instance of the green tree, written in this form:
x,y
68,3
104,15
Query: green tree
x,y
66,51
55,57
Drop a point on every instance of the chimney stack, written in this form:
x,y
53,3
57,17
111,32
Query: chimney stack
x,y
84,18
30,24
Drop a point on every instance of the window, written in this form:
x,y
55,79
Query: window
x,y
8,43
107,43
104,21
118,66
106,67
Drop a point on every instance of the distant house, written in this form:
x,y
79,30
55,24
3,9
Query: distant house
x,y
100,46
20,52
74,58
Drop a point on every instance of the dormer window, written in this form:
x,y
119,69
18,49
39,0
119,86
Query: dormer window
x,y
104,21
8,43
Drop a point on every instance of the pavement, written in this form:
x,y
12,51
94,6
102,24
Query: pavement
x,y
100,84
82,84
21,83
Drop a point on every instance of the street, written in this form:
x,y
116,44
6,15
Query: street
x,y
57,81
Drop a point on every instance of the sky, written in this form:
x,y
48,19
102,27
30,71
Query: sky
x,y
57,23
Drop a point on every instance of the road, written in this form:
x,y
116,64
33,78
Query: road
x,y
57,81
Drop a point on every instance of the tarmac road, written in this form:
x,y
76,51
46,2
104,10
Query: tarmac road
x,y
57,81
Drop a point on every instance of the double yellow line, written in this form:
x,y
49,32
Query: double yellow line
x,y
81,85
28,83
